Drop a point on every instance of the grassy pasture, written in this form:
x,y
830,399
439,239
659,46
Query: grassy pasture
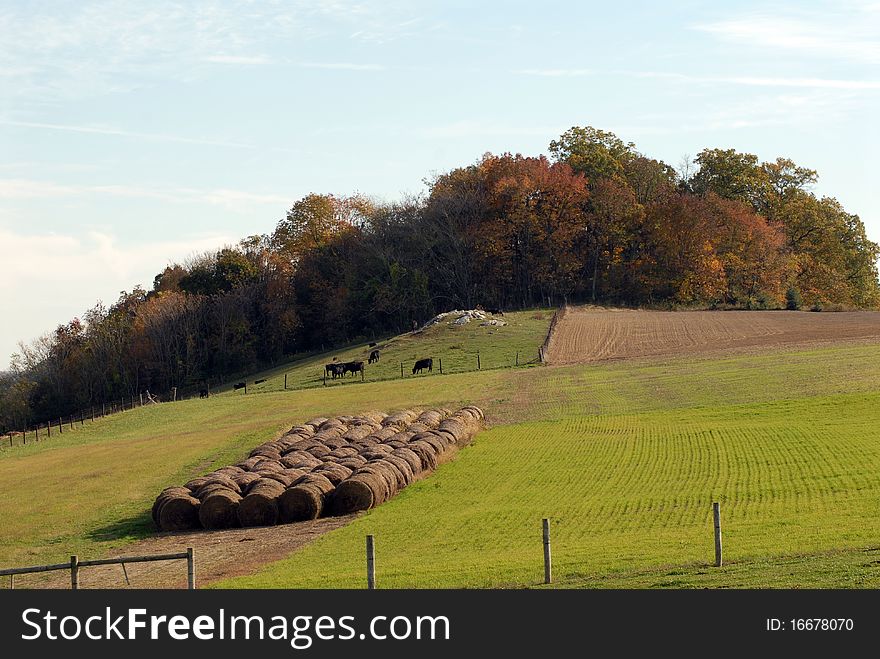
x,y
625,492
625,457
455,346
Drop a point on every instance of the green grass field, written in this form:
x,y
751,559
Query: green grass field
x,y
625,458
453,348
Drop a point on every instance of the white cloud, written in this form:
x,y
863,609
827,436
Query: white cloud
x,y
557,73
50,278
236,59
237,200
847,34
118,132
344,66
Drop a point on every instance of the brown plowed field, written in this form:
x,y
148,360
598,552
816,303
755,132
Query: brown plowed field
x,y
592,334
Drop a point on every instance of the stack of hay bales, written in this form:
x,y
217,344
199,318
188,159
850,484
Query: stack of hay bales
x,y
322,467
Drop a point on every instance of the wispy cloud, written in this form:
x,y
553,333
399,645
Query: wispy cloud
x,y
237,59
849,33
557,73
342,66
118,132
239,200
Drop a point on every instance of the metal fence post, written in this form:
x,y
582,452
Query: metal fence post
x,y
190,569
371,563
548,570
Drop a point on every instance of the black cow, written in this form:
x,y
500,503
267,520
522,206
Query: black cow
x,y
203,393
374,356
495,312
373,344
239,385
423,364
259,381
352,367
333,369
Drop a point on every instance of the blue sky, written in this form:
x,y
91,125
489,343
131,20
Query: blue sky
x,y
133,134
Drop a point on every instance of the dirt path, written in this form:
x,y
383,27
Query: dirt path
x,y
218,555
591,334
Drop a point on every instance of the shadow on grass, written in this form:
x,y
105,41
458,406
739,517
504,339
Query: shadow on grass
x,y
136,527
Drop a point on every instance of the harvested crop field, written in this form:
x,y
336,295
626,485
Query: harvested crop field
x,y
591,334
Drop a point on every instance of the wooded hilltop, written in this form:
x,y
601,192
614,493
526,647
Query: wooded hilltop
x,y
597,221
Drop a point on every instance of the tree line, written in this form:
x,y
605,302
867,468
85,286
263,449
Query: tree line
x,y
597,221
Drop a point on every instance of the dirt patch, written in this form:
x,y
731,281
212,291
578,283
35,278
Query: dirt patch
x,y
218,555
590,334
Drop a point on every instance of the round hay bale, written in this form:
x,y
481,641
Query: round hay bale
x,y
219,510
179,513
321,479
427,455
402,436
476,410
285,479
196,483
245,479
383,433
374,416
319,451
343,452
303,445
301,429
358,432
165,495
272,453
330,433
232,471
430,418
207,490
396,444
415,464
417,427
248,464
355,494
335,442
332,423
388,474
260,506
371,454
268,465
446,437
404,474
305,501
335,473
353,462
219,479
316,422
455,427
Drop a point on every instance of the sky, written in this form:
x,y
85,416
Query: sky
x,y
137,134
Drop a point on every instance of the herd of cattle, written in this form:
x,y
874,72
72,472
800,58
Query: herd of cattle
x,y
340,369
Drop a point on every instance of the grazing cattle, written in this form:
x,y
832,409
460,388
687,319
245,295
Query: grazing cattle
x,y
495,312
373,344
259,381
334,369
423,364
203,393
239,385
374,356
352,367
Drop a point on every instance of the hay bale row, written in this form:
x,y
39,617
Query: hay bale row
x,y
324,466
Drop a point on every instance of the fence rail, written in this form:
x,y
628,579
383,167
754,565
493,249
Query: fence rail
x,y
75,565
557,316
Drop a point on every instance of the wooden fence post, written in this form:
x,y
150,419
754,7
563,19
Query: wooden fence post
x,y
102,409
441,365
548,570
74,573
190,569
401,369
371,563
517,358
285,379
362,373
71,422
325,377
174,393
141,396
11,582
478,360
60,427
48,429
245,387
716,514
82,418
